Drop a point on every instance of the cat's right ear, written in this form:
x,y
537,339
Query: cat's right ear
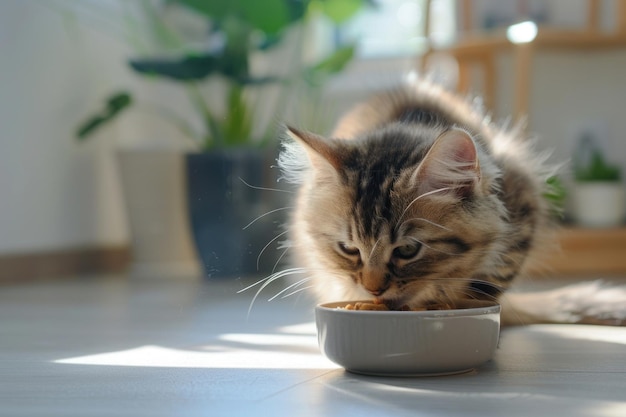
x,y
450,164
320,150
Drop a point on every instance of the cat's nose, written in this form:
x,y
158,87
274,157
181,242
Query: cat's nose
x,y
377,292
376,282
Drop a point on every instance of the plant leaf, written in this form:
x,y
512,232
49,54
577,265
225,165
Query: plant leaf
x,y
268,16
336,62
213,9
556,194
237,125
297,8
341,10
190,68
114,105
591,165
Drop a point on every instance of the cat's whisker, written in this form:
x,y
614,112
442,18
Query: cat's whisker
x,y
280,258
467,292
414,239
374,247
424,220
512,259
465,279
297,291
265,214
416,199
271,278
253,285
289,270
462,279
258,258
295,284
472,295
256,187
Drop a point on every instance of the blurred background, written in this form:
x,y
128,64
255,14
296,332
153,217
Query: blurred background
x,y
139,137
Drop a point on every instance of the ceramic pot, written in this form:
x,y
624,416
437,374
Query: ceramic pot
x,y
153,183
599,204
223,198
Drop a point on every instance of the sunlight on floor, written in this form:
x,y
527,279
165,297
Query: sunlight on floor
x,y
158,356
612,410
294,347
590,332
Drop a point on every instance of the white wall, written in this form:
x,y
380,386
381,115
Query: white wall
x,y
573,91
53,192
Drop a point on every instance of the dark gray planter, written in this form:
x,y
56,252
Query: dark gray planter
x,y
221,205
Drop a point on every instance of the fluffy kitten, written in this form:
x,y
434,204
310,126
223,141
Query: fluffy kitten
x,y
415,199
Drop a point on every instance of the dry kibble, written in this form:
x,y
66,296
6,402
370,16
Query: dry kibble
x,y
377,305
366,306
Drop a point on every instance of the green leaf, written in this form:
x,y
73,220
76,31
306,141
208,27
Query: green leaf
x,y
114,105
190,68
337,61
268,16
198,67
341,10
297,8
591,165
213,9
555,191
556,194
237,125
118,101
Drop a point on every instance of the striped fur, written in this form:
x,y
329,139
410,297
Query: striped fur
x,y
415,198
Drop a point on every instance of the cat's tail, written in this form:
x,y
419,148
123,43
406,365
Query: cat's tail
x,y
594,302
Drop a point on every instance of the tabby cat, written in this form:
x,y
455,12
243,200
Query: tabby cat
x,y
416,199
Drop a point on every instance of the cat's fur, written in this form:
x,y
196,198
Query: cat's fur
x,y
416,198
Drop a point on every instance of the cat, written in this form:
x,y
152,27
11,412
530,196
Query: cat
x,y
418,199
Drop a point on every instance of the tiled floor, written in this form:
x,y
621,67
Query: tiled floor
x,y
104,347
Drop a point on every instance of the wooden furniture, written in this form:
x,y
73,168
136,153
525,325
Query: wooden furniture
x,y
585,252
478,50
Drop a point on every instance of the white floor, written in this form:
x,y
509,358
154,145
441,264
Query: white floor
x,y
104,347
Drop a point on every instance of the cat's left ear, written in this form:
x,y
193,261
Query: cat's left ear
x,y
451,165
321,151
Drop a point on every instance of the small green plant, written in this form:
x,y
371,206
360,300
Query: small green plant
x,y
555,193
237,29
591,165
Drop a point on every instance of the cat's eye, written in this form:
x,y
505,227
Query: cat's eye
x,y
408,251
349,249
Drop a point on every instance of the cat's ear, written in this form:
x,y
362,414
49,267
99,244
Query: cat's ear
x,y
451,165
320,150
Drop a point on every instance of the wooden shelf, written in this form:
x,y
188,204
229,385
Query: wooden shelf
x,y
479,49
586,252
547,38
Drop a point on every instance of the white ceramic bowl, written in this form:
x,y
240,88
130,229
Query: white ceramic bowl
x,y
408,343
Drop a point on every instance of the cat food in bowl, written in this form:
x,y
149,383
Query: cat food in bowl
x,y
408,343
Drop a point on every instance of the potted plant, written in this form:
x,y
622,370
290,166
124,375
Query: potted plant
x,y
230,151
598,194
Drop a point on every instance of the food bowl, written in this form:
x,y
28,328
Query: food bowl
x,y
409,343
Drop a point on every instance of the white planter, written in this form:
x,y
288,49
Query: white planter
x,y
599,204
155,194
